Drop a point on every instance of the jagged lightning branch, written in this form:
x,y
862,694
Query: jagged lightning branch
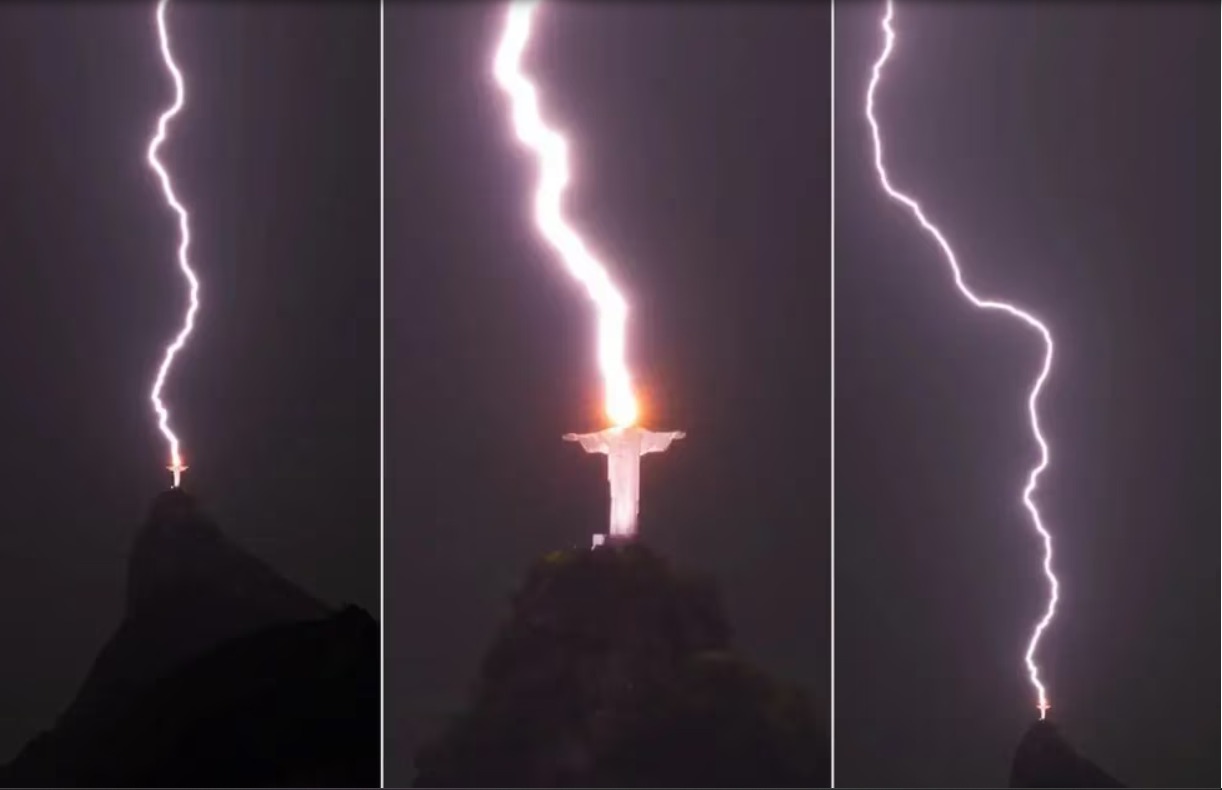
x,y
551,149
987,304
163,415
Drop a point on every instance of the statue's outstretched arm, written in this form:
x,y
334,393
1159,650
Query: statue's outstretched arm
x,y
590,442
658,442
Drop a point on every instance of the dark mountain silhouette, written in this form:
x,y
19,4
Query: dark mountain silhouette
x,y
1045,759
221,673
613,670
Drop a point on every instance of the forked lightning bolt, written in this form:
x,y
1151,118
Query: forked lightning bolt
x,y
551,149
986,304
184,230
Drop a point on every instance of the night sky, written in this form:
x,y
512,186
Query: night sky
x,y
1070,152
276,399
701,157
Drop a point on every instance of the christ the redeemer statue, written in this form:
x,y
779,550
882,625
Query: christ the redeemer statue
x,y
624,448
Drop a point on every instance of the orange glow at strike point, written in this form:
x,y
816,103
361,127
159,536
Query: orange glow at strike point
x,y
551,150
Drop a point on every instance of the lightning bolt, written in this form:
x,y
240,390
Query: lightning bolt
x,y
551,150
984,304
184,232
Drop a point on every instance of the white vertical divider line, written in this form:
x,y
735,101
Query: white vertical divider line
x,y
832,384
382,392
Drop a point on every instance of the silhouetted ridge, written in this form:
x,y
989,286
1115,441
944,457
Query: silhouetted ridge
x,y
188,590
1045,759
614,670
221,672
180,553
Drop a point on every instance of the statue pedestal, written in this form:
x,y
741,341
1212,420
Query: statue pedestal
x,y
612,540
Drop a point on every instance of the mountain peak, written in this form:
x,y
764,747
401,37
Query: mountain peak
x,y
1045,759
189,589
180,558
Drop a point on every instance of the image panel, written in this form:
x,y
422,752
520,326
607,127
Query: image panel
x,y
1026,352
607,224
189,333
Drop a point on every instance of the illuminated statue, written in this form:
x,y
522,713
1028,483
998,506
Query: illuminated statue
x,y
176,469
624,448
